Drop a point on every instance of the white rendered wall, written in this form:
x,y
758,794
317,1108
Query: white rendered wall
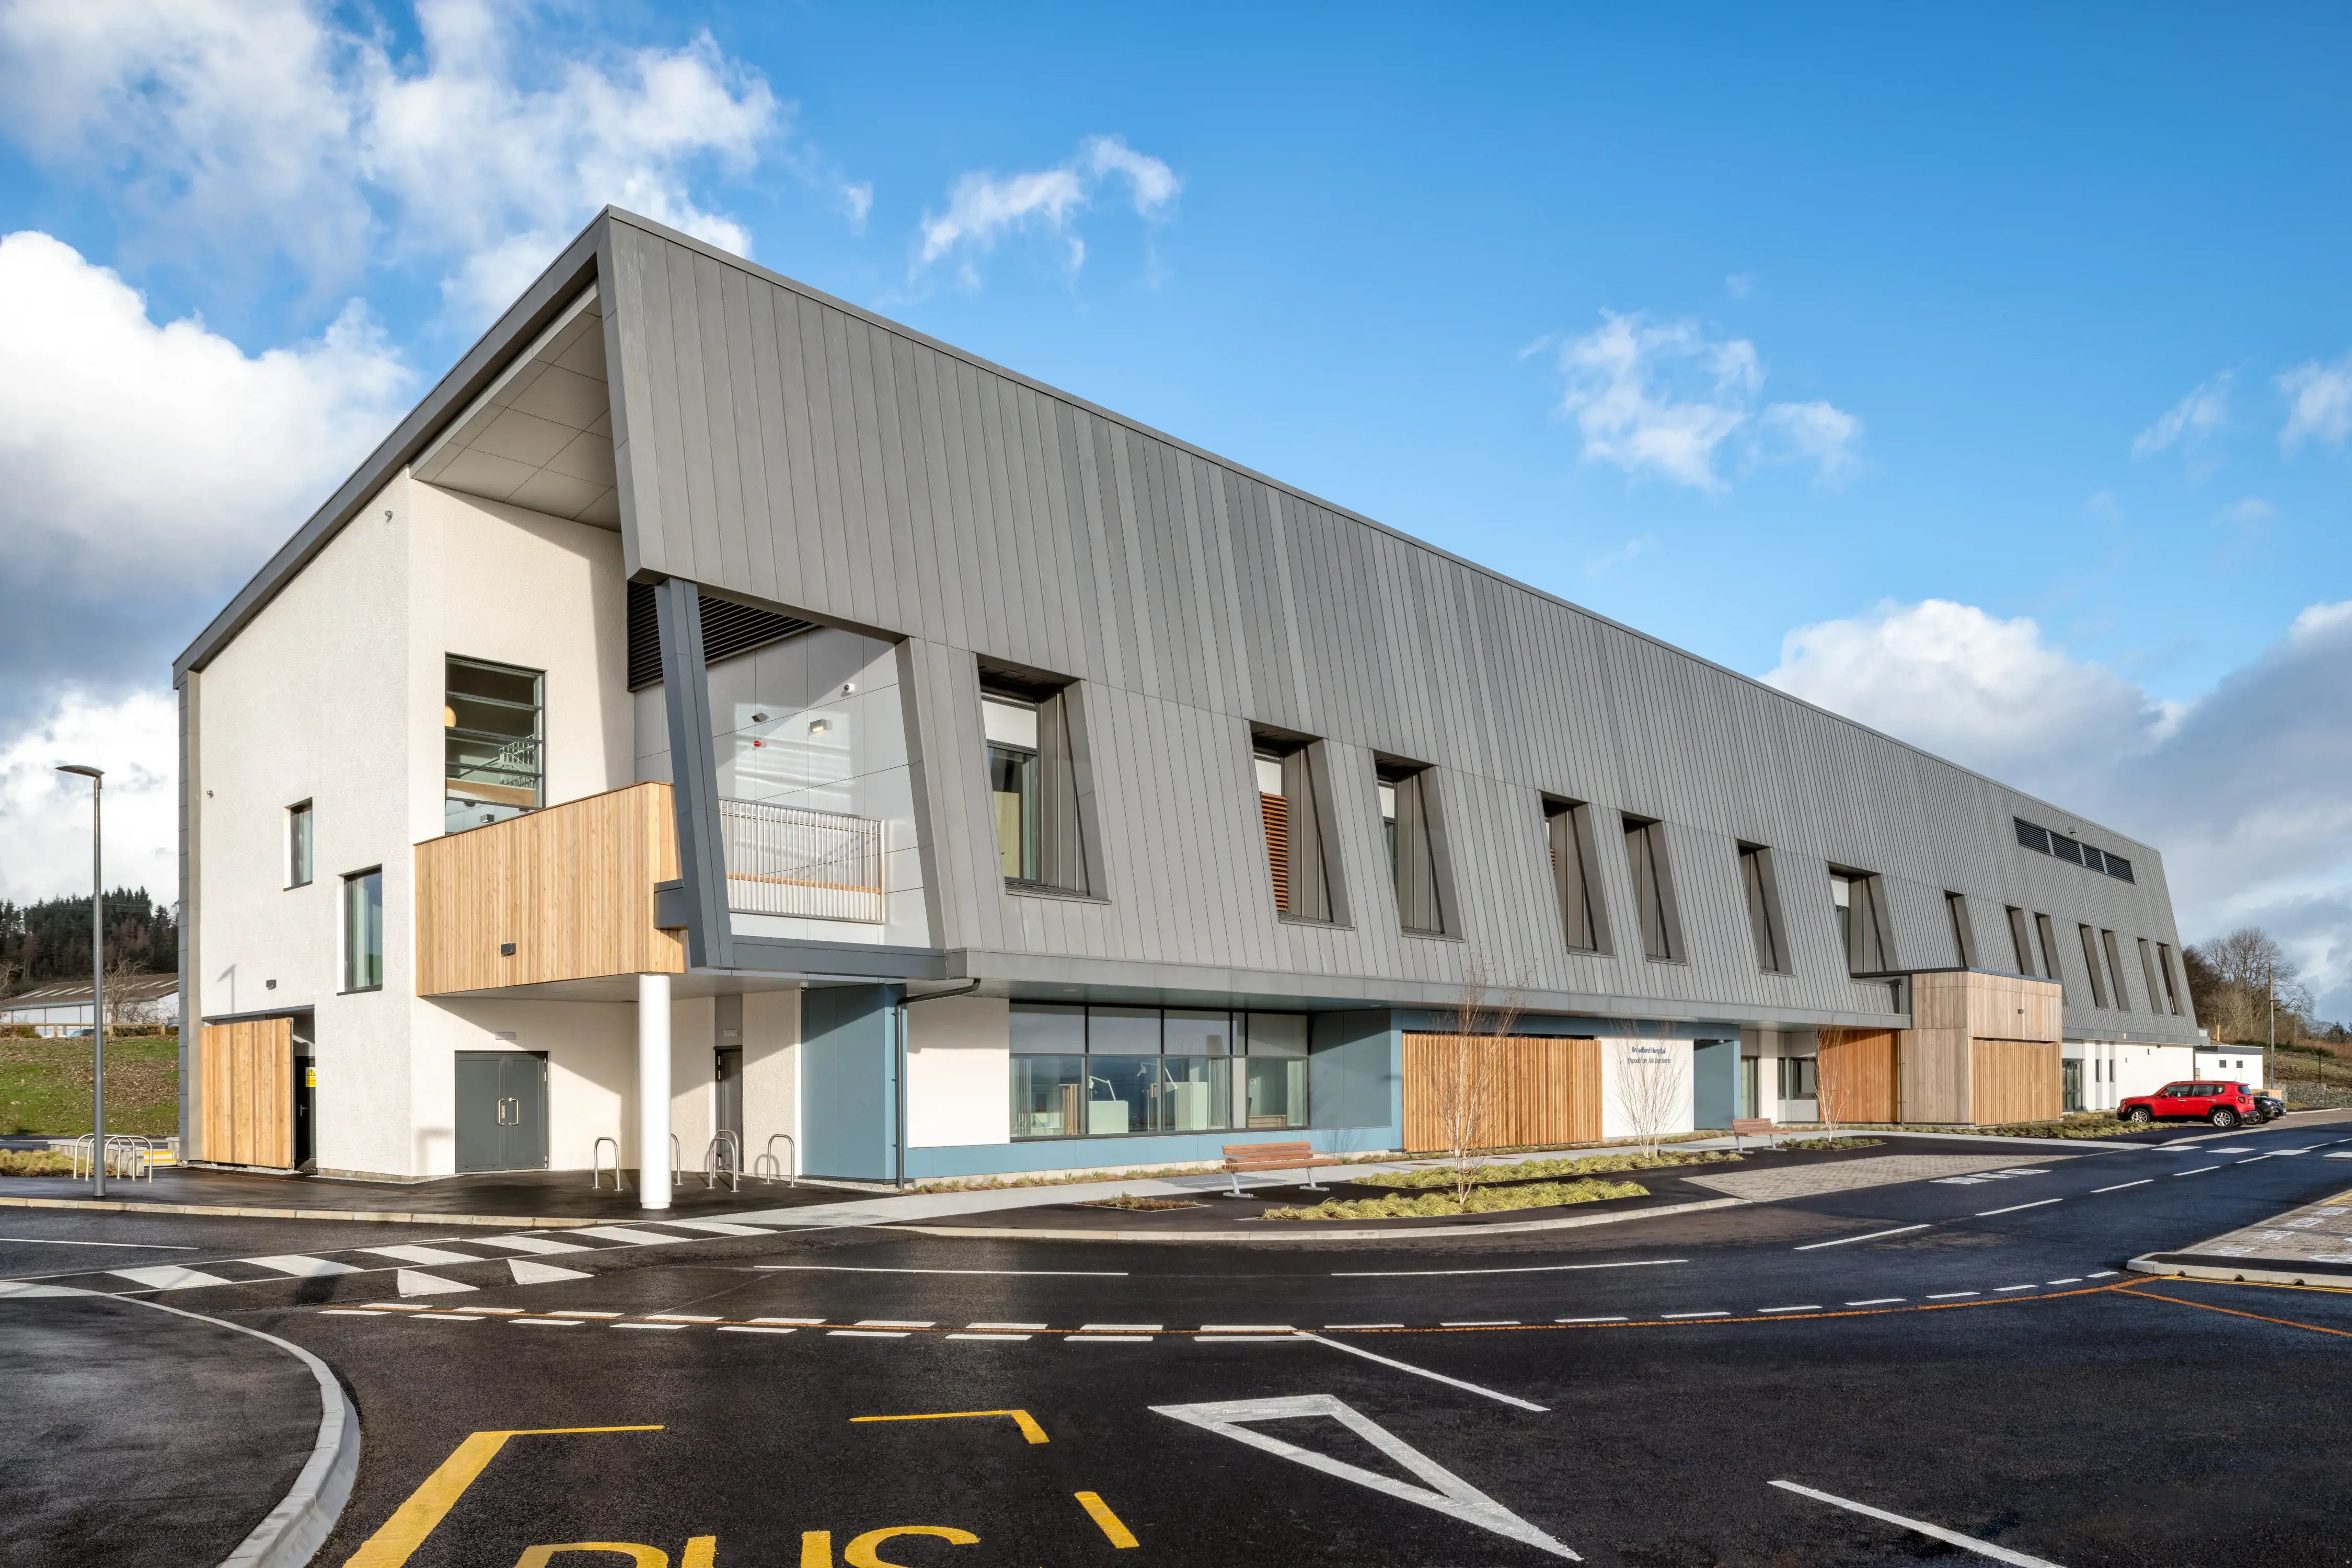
x,y
591,1052
693,1080
2233,1064
771,1073
1623,1061
2144,1070
959,1072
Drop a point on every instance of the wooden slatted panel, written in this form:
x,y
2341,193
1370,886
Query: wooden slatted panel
x,y
2016,1080
570,886
1542,1091
1276,811
246,1070
1857,1075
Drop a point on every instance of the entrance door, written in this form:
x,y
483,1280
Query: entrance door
x,y
1750,1085
731,1092
501,1110
306,1104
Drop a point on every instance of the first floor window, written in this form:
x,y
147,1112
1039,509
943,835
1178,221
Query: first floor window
x,y
298,846
1092,1072
1012,768
363,930
491,724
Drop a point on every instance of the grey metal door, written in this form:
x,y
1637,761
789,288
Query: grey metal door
x,y
501,1110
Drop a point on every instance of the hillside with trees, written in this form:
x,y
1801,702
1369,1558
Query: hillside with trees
x,y
2235,982
49,941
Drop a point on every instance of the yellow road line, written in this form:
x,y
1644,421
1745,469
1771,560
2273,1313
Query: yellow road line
x,y
1021,1418
2232,1311
1111,1525
413,1520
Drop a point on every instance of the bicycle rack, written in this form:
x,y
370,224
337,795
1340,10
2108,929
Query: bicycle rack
x,y
676,1169
126,1155
596,1173
84,1149
733,1146
765,1167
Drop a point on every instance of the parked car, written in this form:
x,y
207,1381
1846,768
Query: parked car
x,y
2269,1106
2223,1104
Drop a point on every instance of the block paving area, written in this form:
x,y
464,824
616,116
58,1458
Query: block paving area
x,y
1848,1175
2316,1232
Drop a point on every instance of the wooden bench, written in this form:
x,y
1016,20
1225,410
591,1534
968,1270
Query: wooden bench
x,y
1249,1158
1753,1127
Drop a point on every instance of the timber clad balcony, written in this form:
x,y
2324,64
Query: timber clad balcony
x,y
790,860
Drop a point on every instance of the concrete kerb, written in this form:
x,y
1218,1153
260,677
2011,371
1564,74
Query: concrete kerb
x,y
1290,1233
2172,1266
216,1211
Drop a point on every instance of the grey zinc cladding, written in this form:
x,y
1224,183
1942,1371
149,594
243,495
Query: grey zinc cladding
x,y
777,445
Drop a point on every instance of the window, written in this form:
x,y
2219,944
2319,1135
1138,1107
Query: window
x,y
2147,975
1408,812
363,930
2091,963
298,846
2032,838
2115,973
1800,1078
2066,848
1860,906
1092,1072
1033,787
1653,890
1964,936
1568,830
2022,939
1764,908
2049,934
2164,967
1289,796
491,724
2042,841
2120,868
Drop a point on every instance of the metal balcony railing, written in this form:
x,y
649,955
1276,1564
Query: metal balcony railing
x,y
788,860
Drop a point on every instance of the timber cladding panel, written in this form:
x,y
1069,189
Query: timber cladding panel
x,y
570,888
2015,1080
1857,1079
1957,1066
1511,1092
247,1072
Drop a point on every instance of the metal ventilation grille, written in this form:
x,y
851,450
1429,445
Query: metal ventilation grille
x,y
728,629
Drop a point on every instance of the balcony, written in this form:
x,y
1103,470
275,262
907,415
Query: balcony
x,y
790,860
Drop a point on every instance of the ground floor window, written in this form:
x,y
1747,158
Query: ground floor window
x,y
1799,1077
1094,1072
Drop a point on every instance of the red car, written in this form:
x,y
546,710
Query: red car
x,y
2223,1104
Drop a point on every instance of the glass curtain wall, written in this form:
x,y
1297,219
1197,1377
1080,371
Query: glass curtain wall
x,y
1096,1072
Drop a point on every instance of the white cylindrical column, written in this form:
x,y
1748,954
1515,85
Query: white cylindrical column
x,y
653,1092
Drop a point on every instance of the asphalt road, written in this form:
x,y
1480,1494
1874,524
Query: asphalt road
x,y
1965,1355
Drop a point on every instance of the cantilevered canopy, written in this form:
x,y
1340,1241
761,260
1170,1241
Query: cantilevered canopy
x,y
541,435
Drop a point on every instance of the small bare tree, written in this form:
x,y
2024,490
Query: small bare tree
x,y
1469,1072
1831,1088
1653,1086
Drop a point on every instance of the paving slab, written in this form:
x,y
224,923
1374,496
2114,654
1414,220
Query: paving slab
x,y
2307,1246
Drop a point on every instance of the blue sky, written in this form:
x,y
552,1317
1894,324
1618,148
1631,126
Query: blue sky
x,y
1988,376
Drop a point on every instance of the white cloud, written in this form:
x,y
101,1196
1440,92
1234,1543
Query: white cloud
x,y
45,815
2246,512
2319,404
858,201
1663,398
2246,790
246,120
1626,555
1739,284
2195,418
983,206
139,451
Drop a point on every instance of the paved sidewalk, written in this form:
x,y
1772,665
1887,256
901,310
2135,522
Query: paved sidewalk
x,y
2306,1246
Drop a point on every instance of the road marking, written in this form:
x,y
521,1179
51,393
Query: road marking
x,y
494,1311
2102,1274
416,1282
2134,1290
649,1328
413,1520
1536,1268
1988,1214
716,1226
796,1323
1808,1307
581,1312
845,1268
987,1336
1247,1329
1444,1491
1664,1317
2005,1289
447,1317
1619,1318
889,1323
1288,1339
1423,1372
1120,1328
2198,1171
408,1254
351,1312
991,1328
1344,1328
168,1277
1876,1301
1873,1236
2119,1186
1480,1323
1936,1531
692,1318
625,1234
1954,1295
133,1245
2071,1279
752,1329
1086,1339
1113,1528
301,1266
867,1333
537,1244
1021,1418
528,1271
862,1552
551,1322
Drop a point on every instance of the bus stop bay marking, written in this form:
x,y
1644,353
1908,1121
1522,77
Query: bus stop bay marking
x,y
413,1520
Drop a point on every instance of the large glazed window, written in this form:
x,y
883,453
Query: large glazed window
x,y
2091,963
1289,804
1653,890
1763,889
2049,934
1097,1072
1859,900
1567,832
491,724
2164,967
363,930
1408,813
1033,784
2115,973
2021,938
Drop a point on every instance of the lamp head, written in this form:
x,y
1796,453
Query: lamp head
x,y
85,771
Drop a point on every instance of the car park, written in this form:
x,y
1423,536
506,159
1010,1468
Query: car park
x,y
2201,1100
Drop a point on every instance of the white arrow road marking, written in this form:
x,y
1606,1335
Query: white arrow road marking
x,y
408,1253
1446,1492
168,1277
415,1282
1949,1537
1424,1372
537,1244
527,1272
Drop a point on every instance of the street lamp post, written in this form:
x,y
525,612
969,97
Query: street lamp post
x,y
96,981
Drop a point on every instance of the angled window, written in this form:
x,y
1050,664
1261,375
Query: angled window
x,y
2065,849
2119,868
2091,963
490,723
2049,935
298,846
2022,937
1291,799
2163,962
2115,973
1568,834
2147,975
1653,890
1035,787
1763,890
1416,863
363,930
2092,858
1859,900
1964,936
2032,838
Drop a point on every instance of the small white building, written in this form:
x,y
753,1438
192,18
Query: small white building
x,y
2234,1064
62,1006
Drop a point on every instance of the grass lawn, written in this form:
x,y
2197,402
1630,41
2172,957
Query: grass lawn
x,y
1482,1200
45,1086
1529,1170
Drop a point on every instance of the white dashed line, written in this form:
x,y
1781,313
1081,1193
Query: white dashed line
x,y
351,1312
1665,1315
1082,1339
1344,1328
2077,1279
1808,1307
2198,1171
1847,1240
1616,1319
867,1333
2102,1274
2119,1186
682,1318
1876,1301
893,1324
1532,1269
795,1323
1023,1329
1248,1338
1954,1295
651,1327
1480,1323
752,1329
454,1317
552,1324
1988,1214
2005,1289
581,1313
1119,1328
988,1336
1246,1329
